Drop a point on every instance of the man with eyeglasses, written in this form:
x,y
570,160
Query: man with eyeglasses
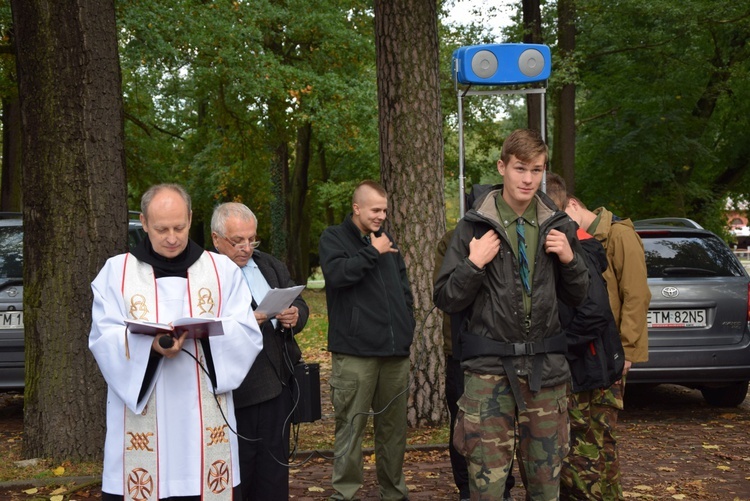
x,y
264,401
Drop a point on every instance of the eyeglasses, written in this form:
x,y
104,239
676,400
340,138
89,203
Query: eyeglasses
x,y
253,244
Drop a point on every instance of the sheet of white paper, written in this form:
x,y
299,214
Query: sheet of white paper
x,y
278,300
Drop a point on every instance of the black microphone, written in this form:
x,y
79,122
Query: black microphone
x,y
166,342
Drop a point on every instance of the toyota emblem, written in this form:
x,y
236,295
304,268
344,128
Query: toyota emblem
x,y
670,292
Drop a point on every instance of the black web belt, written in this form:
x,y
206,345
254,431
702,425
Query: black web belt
x,y
473,346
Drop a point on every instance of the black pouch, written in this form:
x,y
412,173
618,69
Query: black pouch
x,y
306,391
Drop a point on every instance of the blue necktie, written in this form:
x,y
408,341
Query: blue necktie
x,y
523,261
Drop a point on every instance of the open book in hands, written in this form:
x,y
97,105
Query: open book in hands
x,y
197,327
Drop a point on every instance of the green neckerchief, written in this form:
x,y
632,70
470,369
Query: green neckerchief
x,y
509,219
592,227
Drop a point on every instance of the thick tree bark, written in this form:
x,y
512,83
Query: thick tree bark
x,y
564,152
75,211
411,165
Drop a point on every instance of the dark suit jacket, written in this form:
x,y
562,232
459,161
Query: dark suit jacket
x,y
263,382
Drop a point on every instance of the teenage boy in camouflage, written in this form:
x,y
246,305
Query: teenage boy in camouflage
x,y
629,297
596,360
512,256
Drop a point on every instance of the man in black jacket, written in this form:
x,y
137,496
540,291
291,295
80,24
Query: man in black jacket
x,y
513,255
264,401
370,331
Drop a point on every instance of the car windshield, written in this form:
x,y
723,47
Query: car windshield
x,y
11,252
689,256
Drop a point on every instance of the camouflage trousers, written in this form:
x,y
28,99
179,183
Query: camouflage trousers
x,y
592,469
485,434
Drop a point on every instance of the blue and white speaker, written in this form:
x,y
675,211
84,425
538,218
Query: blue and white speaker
x,y
501,64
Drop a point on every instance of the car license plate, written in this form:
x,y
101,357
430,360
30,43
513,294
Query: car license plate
x,y
676,318
11,320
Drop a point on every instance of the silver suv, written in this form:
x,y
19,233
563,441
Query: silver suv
x,y
699,316
11,297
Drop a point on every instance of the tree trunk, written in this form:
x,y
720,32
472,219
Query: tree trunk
x,y
564,153
325,175
299,213
532,33
75,212
411,165
279,169
10,196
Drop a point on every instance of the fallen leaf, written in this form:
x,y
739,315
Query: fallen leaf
x,y
315,489
678,496
60,490
705,446
31,491
58,471
643,488
666,468
723,468
56,498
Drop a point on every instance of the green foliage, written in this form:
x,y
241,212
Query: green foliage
x,y
8,83
213,88
663,107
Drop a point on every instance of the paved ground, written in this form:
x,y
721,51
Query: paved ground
x,y
428,476
673,447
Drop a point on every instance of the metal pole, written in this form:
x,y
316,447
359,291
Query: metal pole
x,y
543,111
461,178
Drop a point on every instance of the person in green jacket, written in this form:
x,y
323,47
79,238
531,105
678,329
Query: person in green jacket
x,y
629,297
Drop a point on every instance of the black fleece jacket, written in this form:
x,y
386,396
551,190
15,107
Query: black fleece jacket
x,y
370,305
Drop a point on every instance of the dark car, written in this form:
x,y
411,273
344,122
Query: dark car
x,y
11,297
698,319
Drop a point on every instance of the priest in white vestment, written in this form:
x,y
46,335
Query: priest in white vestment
x,y
170,418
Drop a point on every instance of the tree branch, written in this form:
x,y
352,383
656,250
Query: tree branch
x,y
610,111
145,127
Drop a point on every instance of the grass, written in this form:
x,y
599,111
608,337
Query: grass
x,y
313,341
309,436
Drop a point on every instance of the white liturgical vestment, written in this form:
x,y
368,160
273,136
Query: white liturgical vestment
x,y
175,386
